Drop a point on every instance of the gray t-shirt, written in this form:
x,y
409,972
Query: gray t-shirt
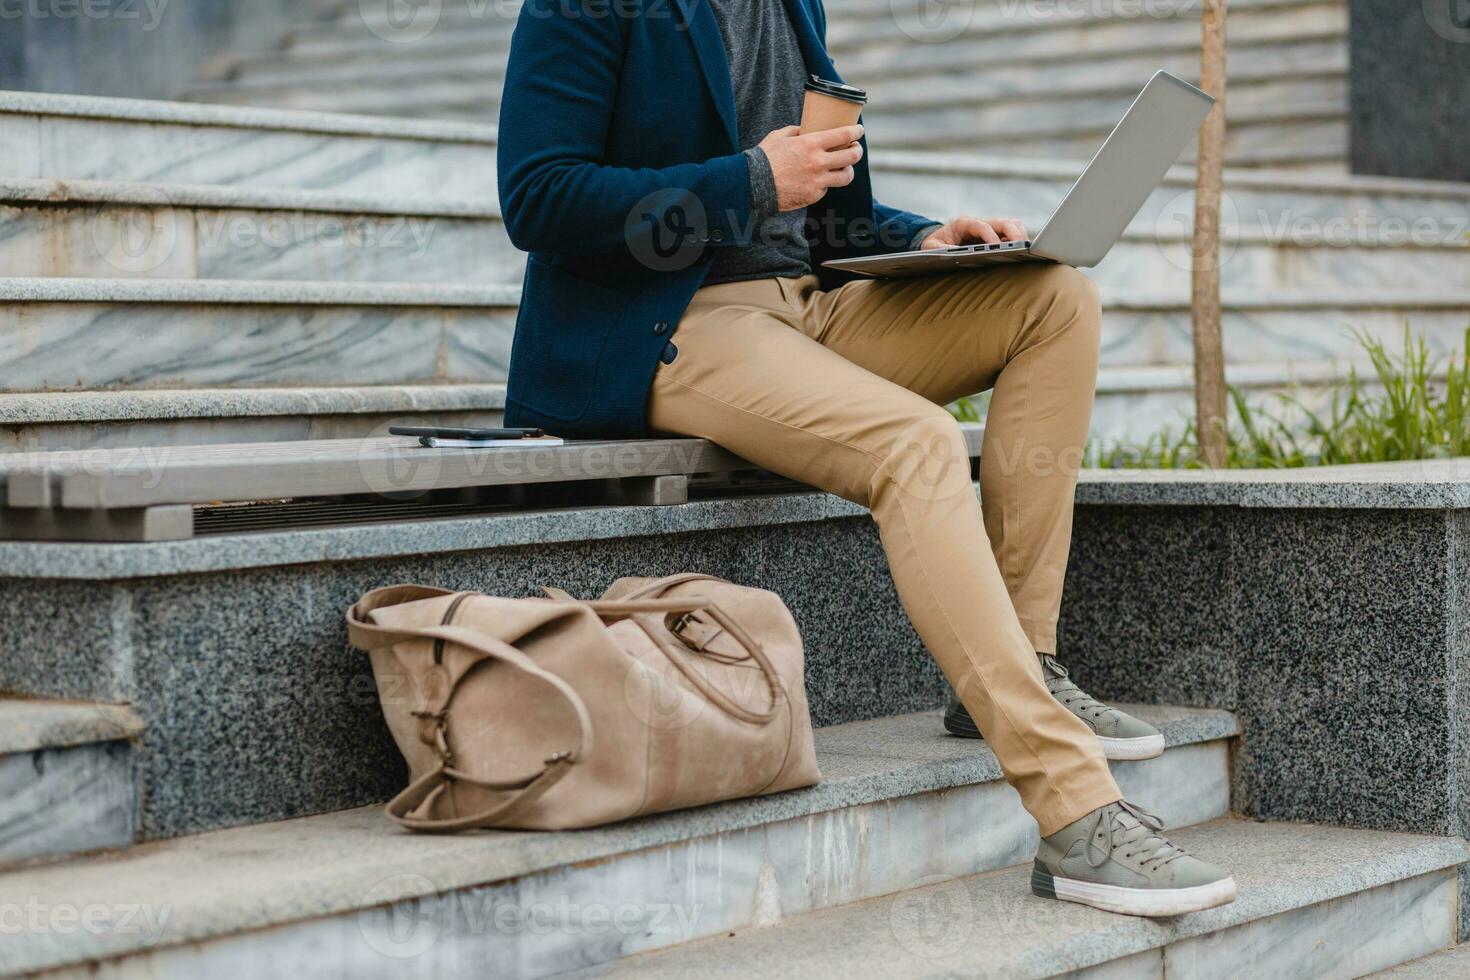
x,y
769,78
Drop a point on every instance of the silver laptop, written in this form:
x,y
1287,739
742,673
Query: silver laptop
x,y
1144,145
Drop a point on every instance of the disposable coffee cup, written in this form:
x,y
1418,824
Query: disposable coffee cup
x,y
830,105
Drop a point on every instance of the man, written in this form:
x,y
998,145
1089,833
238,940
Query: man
x,y
651,165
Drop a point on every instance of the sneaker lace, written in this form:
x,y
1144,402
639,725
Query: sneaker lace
x,y
1136,832
1065,690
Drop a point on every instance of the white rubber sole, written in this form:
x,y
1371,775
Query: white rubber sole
x,y
1132,749
1151,903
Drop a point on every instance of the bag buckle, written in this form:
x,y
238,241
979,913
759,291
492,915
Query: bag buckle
x,y
436,738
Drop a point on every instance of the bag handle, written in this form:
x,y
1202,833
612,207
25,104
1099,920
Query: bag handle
x,y
640,612
371,637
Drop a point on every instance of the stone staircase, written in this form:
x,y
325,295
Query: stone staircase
x,y
826,881
991,76
191,759
258,274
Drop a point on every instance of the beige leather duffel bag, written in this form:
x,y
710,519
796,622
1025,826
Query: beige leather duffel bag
x,y
554,713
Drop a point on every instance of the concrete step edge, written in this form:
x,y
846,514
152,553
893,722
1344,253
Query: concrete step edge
x,y
867,10
948,163
959,95
289,75
209,403
1280,868
31,725
46,191
255,292
292,880
138,405
258,292
1438,966
243,117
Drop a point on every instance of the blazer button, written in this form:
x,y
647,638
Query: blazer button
x,y
717,235
659,329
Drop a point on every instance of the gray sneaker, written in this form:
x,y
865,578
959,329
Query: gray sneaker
x,y
1117,859
1123,737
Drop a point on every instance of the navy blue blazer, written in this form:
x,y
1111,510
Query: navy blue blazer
x,y
621,172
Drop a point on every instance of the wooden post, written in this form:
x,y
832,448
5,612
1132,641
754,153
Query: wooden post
x,y
1209,353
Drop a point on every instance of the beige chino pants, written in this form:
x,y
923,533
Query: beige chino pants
x,y
844,390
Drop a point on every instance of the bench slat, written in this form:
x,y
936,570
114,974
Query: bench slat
x,y
134,478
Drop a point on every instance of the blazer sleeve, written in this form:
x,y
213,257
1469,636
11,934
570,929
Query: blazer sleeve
x,y
556,195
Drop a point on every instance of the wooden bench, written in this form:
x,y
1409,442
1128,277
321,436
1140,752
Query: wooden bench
x,y
152,494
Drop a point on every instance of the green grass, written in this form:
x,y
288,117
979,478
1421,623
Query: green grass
x,y
1415,406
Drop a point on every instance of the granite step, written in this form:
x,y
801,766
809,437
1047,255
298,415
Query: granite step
x,y
105,229
89,420
343,891
1133,403
208,334
1283,205
1076,33
856,12
1250,65
465,76
68,778
173,334
110,229
1314,902
409,165
448,33
1270,136
1322,52
1443,965
118,621
1073,113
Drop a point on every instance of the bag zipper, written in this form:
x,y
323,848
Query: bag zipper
x,y
448,620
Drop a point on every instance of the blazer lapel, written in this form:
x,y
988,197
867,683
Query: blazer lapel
x,y
704,31
813,48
